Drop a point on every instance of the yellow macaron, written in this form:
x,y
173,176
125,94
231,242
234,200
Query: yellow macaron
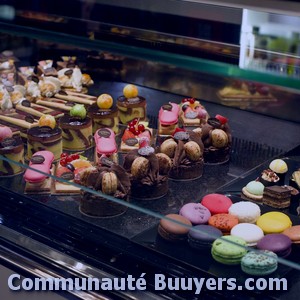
x,y
274,222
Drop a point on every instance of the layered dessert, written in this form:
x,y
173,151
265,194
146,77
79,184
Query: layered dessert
x,y
108,179
11,148
103,114
131,105
45,68
136,133
168,118
192,113
46,136
217,140
185,149
268,178
76,129
148,173
277,196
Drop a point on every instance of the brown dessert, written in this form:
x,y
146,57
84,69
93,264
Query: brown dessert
x,y
45,68
268,177
277,196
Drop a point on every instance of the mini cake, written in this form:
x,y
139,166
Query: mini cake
x,y
71,79
8,70
46,136
192,113
136,133
24,73
76,129
253,191
280,167
103,114
186,152
268,177
168,118
131,105
247,212
217,139
250,233
49,86
45,68
148,173
12,148
274,222
109,179
277,196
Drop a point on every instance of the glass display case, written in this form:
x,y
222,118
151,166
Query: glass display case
x,y
214,53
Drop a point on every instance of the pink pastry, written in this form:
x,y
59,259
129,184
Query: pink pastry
x,y
105,141
40,161
5,132
168,114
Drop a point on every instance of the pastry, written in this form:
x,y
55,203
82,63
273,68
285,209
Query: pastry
x,y
259,263
131,105
277,243
217,140
60,104
224,222
66,62
148,173
196,213
226,252
250,233
201,237
135,135
37,176
185,149
168,118
109,179
105,140
280,167
76,129
49,86
293,233
45,68
11,148
247,212
216,203
8,70
33,92
277,196
268,177
192,113
46,136
174,232
104,114
24,73
274,222
75,97
253,191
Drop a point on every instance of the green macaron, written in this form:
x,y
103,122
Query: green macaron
x,y
228,250
259,263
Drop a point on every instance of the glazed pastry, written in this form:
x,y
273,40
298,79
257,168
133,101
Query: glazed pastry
x,y
186,152
274,222
46,136
76,129
45,68
217,140
103,114
216,203
192,113
277,196
250,233
253,191
110,179
105,144
131,105
168,118
148,173
12,148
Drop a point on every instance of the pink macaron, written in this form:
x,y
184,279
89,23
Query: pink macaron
x,y
216,203
196,213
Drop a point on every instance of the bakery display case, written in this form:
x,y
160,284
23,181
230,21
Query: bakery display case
x,y
105,205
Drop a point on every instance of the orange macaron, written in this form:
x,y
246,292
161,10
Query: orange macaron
x,y
224,222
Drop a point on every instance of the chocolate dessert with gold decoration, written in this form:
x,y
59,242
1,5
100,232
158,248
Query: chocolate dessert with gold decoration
x,y
107,178
148,173
104,114
185,149
46,136
217,139
131,105
76,129
11,148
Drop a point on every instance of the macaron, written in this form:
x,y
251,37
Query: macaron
x,y
274,222
259,263
173,231
253,191
216,203
276,242
293,233
228,250
251,233
196,213
202,236
247,212
223,222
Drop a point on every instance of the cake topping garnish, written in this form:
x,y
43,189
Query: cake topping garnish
x,y
26,103
104,161
181,135
214,122
167,107
130,91
33,78
191,114
131,141
8,142
47,120
78,111
67,175
223,120
29,119
105,133
61,92
105,101
37,159
146,151
68,72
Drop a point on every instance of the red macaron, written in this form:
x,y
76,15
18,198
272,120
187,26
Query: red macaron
x,y
216,203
